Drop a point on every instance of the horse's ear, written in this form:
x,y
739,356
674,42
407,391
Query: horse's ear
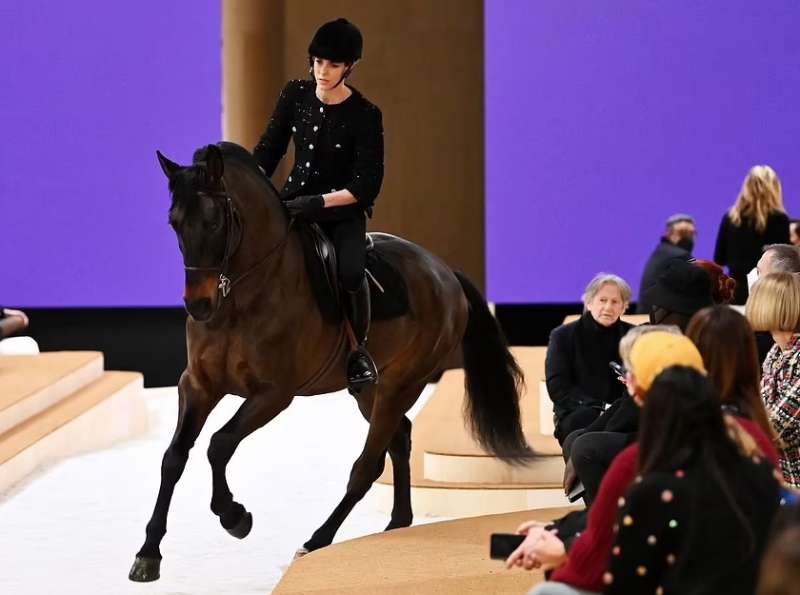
x,y
214,164
169,167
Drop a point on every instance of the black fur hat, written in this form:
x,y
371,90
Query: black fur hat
x,y
338,41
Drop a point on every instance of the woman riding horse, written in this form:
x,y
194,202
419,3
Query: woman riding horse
x,y
338,169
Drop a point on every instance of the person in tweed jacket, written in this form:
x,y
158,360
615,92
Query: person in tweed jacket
x,y
774,306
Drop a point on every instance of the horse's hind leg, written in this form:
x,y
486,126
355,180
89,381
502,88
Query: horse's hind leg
x,y
400,452
256,411
194,405
386,416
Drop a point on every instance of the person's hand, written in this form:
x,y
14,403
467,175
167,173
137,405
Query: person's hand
x,y
305,206
549,550
18,313
524,555
570,477
525,527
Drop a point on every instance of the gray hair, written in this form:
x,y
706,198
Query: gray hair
x,y
601,279
679,218
627,341
785,258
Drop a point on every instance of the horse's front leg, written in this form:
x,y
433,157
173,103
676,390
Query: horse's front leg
x,y
256,411
194,405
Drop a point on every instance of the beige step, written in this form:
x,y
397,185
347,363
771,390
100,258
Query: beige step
x,y
96,416
449,557
29,384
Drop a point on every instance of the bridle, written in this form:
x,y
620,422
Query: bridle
x,y
234,230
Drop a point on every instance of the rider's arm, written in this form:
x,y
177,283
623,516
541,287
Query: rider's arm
x,y
273,143
368,166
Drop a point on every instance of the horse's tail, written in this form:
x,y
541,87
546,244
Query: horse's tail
x,y
493,382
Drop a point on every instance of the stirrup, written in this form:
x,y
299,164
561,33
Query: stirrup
x,y
367,375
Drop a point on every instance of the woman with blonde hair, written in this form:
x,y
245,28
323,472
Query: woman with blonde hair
x,y
774,306
756,219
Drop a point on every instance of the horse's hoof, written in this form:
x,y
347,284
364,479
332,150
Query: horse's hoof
x,y
242,528
145,570
300,553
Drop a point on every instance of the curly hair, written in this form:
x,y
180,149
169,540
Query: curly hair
x,y
723,287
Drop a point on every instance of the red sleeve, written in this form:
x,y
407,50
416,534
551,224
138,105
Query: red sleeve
x,y
589,555
761,439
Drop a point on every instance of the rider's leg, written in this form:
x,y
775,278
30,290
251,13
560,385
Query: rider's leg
x,y
349,239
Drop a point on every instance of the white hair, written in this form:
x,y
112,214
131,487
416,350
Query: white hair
x,y
601,279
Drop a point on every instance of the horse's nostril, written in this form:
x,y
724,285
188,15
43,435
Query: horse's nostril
x,y
199,309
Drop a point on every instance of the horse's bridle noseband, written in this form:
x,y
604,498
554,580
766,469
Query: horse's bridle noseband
x,y
234,229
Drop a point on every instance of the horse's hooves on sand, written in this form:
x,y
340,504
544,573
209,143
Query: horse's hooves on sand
x,y
300,553
145,570
242,528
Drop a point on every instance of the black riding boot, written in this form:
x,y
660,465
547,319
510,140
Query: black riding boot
x,y
361,369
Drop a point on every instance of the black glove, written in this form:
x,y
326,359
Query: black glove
x,y
305,206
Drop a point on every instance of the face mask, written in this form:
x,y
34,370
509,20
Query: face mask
x,y
752,277
686,243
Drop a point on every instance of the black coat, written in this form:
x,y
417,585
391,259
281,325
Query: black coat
x,y
656,264
574,374
677,531
337,147
740,247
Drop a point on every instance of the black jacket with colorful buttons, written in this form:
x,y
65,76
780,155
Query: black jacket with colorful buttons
x,y
336,147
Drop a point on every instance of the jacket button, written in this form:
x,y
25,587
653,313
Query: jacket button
x,y
321,110
294,128
316,128
308,164
338,146
311,147
290,178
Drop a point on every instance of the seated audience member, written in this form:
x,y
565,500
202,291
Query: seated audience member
x,y
681,290
688,463
756,219
12,321
590,550
794,237
579,380
726,341
774,306
677,242
588,452
780,567
777,258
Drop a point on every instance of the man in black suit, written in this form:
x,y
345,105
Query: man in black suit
x,y
677,242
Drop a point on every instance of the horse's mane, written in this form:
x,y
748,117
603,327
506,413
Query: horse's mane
x,y
192,179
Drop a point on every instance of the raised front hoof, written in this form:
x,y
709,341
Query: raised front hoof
x,y
145,570
243,527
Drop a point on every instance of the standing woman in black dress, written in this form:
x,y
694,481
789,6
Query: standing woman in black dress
x,y
338,169
757,219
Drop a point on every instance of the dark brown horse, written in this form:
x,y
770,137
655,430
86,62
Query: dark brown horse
x,y
255,330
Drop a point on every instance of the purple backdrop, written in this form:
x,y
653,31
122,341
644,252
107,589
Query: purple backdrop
x,y
90,90
604,118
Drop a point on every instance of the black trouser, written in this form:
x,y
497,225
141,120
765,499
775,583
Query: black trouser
x,y
577,419
592,454
349,241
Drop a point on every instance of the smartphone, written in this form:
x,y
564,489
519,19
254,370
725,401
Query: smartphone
x,y
576,493
619,369
502,544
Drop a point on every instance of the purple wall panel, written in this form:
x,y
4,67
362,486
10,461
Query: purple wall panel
x,y
603,118
90,89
